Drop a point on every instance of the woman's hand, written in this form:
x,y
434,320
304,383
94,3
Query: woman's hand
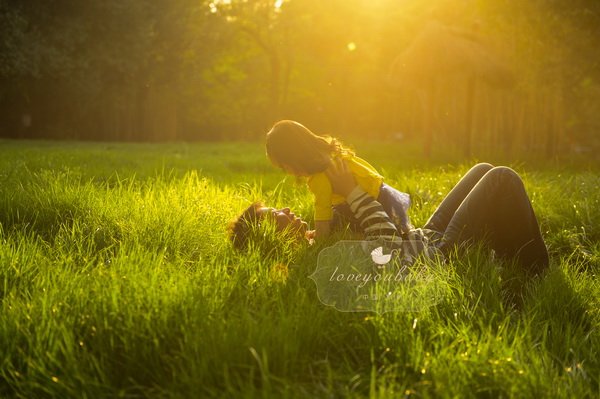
x,y
341,179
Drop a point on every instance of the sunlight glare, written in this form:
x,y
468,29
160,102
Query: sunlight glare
x,y
351,46
278,3
214,5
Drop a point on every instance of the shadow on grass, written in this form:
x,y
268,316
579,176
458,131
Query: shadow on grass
x,y
561,308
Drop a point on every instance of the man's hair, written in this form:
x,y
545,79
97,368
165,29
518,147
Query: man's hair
x,y
242,228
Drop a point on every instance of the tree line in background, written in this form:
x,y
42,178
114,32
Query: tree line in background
x,y
480,74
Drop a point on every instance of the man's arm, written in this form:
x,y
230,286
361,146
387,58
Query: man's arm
x,y
374,221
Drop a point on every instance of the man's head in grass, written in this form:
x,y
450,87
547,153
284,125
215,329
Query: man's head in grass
x,y
257,222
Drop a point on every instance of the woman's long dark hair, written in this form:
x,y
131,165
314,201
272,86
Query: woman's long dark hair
x,y
292,145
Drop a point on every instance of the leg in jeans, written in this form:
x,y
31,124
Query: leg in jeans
x,y
498,209
442,215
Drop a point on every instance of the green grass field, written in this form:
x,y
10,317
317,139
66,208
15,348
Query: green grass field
x,y
117,280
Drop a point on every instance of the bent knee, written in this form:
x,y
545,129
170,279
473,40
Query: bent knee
x,y
482,168
504,172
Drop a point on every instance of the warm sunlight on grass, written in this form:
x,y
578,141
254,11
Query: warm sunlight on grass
x,y
118,280
132,132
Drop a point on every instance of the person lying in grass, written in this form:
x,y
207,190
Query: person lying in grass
x,y
488,204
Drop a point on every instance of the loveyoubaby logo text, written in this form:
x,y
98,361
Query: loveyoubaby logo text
x,y
379,276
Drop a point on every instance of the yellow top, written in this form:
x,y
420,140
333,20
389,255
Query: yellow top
x,y
366,177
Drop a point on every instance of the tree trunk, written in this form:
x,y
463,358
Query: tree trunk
x,y
469,119
428,112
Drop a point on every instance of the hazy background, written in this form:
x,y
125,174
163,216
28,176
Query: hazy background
x,y
474,76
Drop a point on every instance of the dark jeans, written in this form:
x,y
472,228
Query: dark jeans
x,y
490,203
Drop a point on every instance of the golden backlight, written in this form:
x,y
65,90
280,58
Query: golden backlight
x,y
474,75
466,72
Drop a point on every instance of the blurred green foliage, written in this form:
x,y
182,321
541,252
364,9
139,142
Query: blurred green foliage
x,y
139,70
